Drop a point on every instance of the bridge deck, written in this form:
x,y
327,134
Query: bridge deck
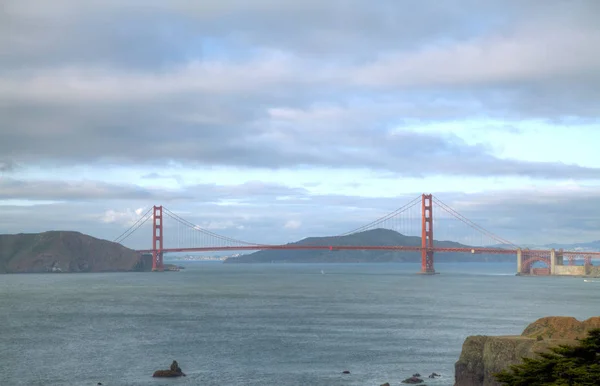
x,y
495,251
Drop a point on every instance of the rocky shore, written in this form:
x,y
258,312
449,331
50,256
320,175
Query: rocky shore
x,y
482,356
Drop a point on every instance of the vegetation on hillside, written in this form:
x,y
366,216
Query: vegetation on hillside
x,y
563,365
65,251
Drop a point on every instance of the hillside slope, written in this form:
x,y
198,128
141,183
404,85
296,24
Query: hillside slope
x,y
65,251
379,237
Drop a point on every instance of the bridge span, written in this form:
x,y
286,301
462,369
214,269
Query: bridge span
x,y
528,261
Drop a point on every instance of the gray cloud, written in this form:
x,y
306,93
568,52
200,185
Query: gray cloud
x,y
535,216
7,166
89,190
288,138
47,190
310,26
282,138
158,176
271,84
81,94
566,215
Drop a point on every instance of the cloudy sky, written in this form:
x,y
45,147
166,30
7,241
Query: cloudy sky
x,y
272,120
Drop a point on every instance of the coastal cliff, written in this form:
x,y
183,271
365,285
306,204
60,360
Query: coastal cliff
x,y
66,251
482,356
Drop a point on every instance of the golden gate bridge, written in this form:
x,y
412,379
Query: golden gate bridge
x,y
414,218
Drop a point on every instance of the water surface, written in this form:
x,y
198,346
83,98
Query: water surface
x,y
267,324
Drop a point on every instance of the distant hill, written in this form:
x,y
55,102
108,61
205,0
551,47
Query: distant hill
x,y
66,251
382,237
591,246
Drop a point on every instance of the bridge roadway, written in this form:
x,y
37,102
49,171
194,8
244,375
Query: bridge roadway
x,y
495,251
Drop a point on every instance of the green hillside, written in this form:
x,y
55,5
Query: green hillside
x,y
65,251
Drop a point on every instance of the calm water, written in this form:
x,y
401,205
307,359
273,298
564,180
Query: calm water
x,y
266,324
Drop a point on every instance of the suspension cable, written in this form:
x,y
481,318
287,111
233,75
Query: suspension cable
x,y
202,230
382,219
470,223
141,221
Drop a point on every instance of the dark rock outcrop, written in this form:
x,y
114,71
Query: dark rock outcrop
x,y
414,380
482,356
174,371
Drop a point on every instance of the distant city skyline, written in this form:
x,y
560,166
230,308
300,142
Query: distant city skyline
x,y
274,121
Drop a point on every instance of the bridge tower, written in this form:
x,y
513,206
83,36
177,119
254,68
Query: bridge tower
x,y
157,239
427,234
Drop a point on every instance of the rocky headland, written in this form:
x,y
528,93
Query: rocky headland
x,y
66,251
482,356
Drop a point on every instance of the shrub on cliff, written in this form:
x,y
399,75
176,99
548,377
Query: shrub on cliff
x,y
563,365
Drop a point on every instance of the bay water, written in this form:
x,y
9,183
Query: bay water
x,y
267,324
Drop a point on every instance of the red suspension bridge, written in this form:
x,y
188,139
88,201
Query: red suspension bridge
x,y
416,218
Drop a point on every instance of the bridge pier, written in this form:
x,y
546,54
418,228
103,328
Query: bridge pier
x,y
157,239
157,261
519,261
427,235
552,261
587,263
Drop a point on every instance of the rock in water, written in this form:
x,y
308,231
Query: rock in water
x,y
174,371
413,380
175,367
